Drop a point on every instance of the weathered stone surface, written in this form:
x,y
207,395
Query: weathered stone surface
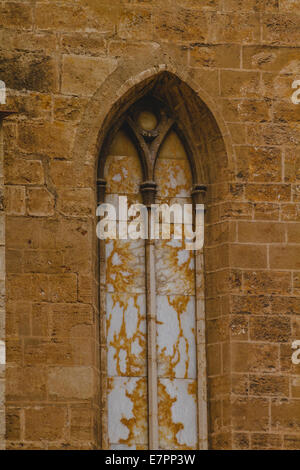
x,y
281,29
261,232
28,41
270,59
16,15
268,192
259,164
15,200
90,44
51,139
28,71
270,329
76,202
40,202
247,110
237,27
61,320
237,61
256,5
22,172
135,23
33,105
63,383
66,174
55,16
19,387
240,84
227,56
45,422
88,70
285,415
68,108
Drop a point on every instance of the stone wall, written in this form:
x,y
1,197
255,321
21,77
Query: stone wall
x,y
2,301
240,58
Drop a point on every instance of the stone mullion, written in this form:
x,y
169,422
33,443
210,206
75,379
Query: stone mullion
x,y
101,184
198,198
2,329
4,112
151,346
148,190
201,353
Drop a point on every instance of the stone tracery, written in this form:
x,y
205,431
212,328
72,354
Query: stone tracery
x,y
151,329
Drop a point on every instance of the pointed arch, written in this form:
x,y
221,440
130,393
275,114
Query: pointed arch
x,y
132,80
195,123
207,140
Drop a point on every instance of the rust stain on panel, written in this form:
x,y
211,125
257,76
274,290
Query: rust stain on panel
x,y
179,304
127,412
138,422
177,418
124,268
127,341
174,178
174,268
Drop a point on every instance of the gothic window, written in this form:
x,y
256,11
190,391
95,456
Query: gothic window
x,y
151,295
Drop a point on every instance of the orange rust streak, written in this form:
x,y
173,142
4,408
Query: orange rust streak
x,y
115,274
123,175
121,282
192,389
167,173
168,430
136,425
179,304
182,270
121,342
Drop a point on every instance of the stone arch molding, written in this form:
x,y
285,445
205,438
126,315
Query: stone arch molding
x,y
131,80
212,163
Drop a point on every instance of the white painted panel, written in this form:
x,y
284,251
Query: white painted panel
x,y
2,352
174,268
126,334
127,411
177,413
125,266
176,347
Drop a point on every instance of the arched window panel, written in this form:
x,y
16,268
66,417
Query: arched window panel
x,y
125,308
123,172
175,308
172,170
148,290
